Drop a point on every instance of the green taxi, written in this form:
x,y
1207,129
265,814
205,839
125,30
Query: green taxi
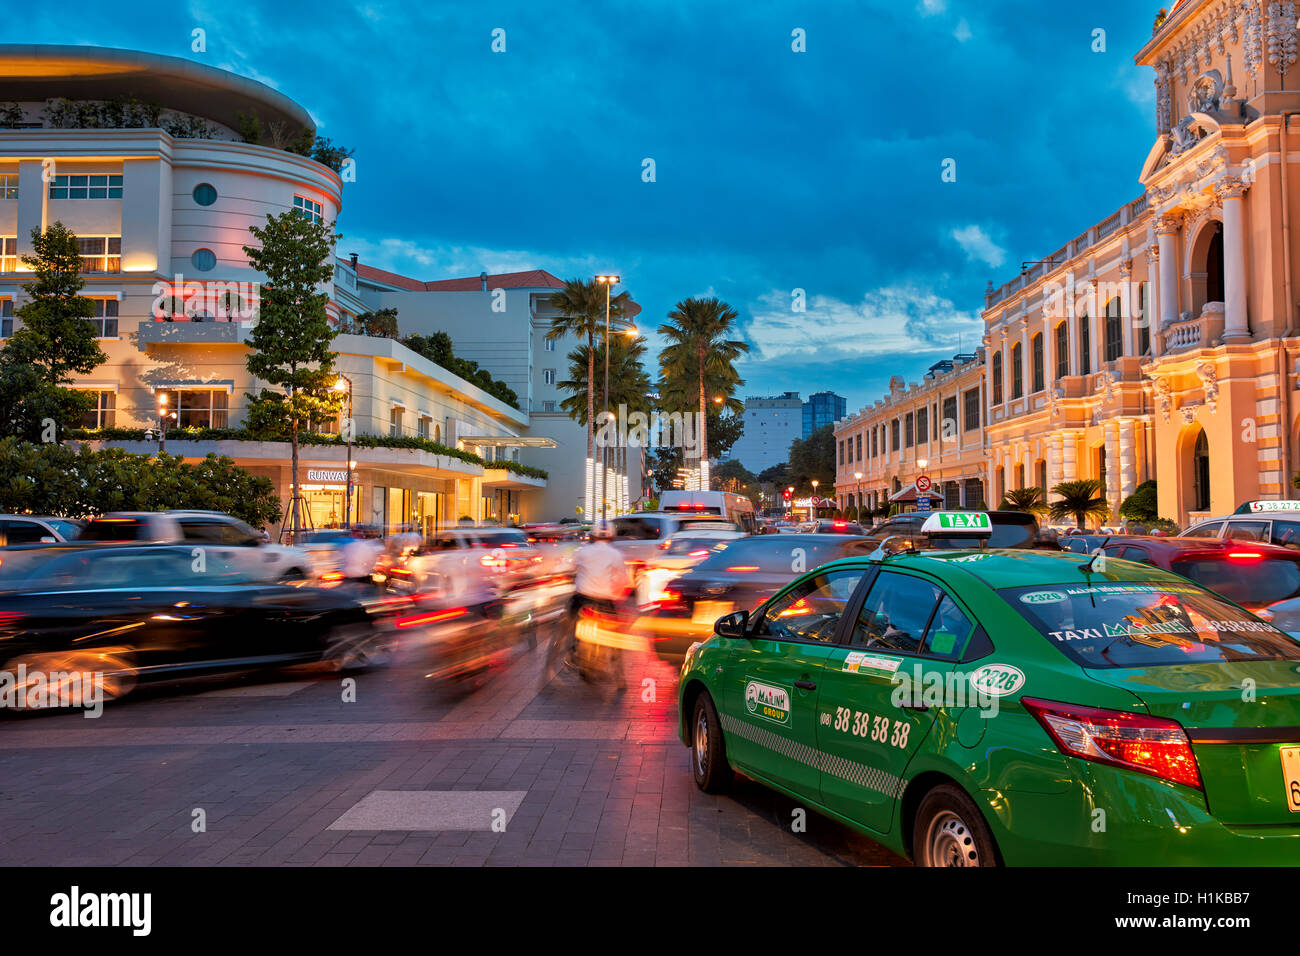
x,y
977,707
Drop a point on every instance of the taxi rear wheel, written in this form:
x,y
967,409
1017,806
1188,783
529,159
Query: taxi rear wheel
x,y
950,831
708,749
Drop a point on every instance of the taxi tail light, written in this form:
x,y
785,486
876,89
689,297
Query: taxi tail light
x,y
1131,741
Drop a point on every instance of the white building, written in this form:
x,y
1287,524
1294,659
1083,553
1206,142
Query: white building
x,y
501,322
771,424
161,195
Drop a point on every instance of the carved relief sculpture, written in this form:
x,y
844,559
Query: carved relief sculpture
x,y
1209,376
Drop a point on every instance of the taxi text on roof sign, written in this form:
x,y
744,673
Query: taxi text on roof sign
x,y
974,522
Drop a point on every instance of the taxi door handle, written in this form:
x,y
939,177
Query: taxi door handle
x,y
806,684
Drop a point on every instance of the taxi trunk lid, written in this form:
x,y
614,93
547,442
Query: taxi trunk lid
x,y
1240,717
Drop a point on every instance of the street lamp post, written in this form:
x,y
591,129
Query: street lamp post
x,y
813,509
349,427
163,415
608,281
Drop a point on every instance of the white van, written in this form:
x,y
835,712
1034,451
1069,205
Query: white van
x,y
737,509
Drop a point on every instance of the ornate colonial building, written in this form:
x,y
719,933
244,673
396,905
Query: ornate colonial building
x,y
1163,341
932,427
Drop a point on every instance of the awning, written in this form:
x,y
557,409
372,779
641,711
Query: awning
x,y
910,494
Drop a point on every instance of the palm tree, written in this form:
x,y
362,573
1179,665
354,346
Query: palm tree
x,y
581,304
628,382
700,353
1028,500
1079,500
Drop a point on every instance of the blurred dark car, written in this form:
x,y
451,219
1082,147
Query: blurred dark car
x,y
156,613
18,530
1250,573
1011,529
743,574
837,526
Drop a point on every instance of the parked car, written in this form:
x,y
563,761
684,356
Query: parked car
x,y
1250,573
1274,522
222,537
152,613
1118,688
37,529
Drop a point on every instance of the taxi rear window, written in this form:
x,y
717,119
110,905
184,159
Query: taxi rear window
x,y
1146,625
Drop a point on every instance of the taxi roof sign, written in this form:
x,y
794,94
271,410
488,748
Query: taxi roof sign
x,y
1260,507
973,523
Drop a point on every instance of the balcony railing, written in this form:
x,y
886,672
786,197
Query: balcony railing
x,y
1198,333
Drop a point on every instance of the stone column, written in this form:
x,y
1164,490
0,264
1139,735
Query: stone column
x,y
1152,317
1128,302
1236,327
1055,454
1073,317
1069,450
1128,452
1026,362
1166,235
1111,432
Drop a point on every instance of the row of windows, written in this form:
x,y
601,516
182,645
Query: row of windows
x,y
86,187
1112,349
914,428
104,319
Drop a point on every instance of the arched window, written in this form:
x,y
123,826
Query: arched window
x,y
1062,350
997,378
1114,330
1085,345
1017,371
1201,473
1214,267
1039,382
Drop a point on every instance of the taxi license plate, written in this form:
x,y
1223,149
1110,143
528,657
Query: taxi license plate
x,y
706,612
1291,777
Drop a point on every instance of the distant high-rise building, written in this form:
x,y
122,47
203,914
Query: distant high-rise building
x,y
822,409
771,424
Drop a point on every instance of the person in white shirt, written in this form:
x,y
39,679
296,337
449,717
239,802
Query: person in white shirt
x,y
600,581
358,557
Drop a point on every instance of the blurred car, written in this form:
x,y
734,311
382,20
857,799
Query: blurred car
x,y
1274,522
835,526
1081,542
676,555
469,564
37,529
1250,573
155,613
324,549
222,536
638,536
1011,529
739,576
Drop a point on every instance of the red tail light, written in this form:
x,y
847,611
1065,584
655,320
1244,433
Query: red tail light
x,y
433,617
700,554
1244,555
667,597
1132,741
10,617
743,568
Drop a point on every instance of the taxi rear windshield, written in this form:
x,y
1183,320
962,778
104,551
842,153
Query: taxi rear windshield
x,y
1146,625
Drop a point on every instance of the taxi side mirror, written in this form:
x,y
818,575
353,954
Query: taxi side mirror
x,y
732,625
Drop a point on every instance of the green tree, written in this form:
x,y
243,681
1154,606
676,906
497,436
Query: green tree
x,y
734,477
77,482
1142,505
700,358
290,344
1028,500
55,342
814,457
378,324
1079,500
581,304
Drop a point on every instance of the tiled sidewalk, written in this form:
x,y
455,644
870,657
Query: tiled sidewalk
x,y
604,781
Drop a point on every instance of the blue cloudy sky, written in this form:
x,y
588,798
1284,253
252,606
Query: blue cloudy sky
x,y
775,170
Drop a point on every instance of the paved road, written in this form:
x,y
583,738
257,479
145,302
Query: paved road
x,y
285,771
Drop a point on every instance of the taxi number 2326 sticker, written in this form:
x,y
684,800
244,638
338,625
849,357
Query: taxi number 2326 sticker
x,y
768,702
